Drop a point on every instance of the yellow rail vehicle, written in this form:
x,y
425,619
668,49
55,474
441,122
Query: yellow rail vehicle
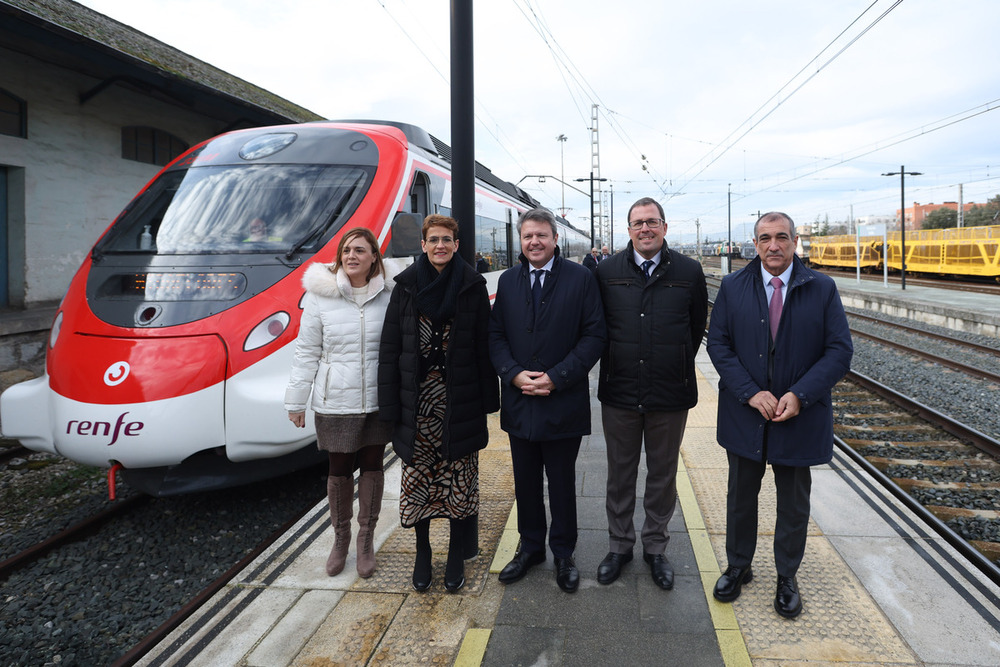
x,y
960,251
842,251
965,251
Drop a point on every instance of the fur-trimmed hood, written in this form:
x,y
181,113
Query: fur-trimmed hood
x,y
322,280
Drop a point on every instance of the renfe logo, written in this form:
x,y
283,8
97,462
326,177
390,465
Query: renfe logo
x,y
104,428
116,373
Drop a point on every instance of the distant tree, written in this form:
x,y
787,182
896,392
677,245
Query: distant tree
x,y
942,218
983,214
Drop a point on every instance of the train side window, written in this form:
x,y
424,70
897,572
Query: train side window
x,y
13,115
406,235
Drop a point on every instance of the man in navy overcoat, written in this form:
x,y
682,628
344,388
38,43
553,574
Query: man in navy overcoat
x,y
779,340
546,332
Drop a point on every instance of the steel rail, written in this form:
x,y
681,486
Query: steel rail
x,y
959,543
930,334
949,363
958,429
73,533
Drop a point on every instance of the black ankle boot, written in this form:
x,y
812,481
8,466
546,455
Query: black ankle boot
x,y
422,563
454,572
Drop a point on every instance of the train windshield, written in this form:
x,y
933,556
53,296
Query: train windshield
x,y
238,209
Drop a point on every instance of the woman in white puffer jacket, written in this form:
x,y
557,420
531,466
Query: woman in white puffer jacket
x,y
336,360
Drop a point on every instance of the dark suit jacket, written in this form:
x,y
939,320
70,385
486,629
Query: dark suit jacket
x,y
565,340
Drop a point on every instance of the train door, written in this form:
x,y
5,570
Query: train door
x,y
512,237
418,196
4,279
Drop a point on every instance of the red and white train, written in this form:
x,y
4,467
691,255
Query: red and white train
x,y
169,355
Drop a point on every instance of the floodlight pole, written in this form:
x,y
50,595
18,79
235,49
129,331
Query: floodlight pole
x,y
902,173
593,241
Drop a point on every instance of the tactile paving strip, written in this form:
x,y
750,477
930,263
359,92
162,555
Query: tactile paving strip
x,y
839,621
395,557
391,624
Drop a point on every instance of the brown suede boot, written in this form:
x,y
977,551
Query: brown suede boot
x,y
340,493
370,485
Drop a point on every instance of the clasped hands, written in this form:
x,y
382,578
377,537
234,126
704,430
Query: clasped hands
x,y
534,383
774,409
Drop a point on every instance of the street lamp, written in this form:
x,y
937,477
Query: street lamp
x,y
902,173
593,240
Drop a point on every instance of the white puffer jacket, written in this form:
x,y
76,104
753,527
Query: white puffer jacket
x,y
336,353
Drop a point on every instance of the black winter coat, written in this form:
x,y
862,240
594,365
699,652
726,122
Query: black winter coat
x,y
565,341
472,389
655,328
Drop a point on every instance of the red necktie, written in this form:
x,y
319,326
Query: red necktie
x,y
774,308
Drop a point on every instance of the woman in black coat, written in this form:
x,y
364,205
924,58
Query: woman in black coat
x,y
436,383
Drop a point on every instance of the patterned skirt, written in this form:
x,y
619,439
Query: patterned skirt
x,y
433,487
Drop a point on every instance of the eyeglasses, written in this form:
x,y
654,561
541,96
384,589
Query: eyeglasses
x,y
652,223
434,240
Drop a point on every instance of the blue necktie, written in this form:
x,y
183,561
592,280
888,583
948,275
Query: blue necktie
x,y
647,266
536,288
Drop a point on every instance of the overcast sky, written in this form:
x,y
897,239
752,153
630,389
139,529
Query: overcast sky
x,y
788,105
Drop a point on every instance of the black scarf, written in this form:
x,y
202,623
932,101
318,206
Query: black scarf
x,y
437,292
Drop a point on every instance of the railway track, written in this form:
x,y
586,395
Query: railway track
x,y
949,472
91,597
75,532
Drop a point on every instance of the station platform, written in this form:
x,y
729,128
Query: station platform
x,y
971,312
878,588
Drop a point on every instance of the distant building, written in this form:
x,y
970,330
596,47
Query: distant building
x,y
916,214
90,109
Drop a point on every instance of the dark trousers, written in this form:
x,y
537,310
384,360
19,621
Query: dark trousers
x,y
557,458
626,432
793,485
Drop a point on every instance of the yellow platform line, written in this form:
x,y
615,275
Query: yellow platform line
x,y
508,542
727,630
473,648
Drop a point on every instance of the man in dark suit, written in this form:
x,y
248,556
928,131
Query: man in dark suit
x,y
655,306
779,340
590,261
546,333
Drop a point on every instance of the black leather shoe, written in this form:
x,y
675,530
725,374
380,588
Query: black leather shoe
x,y
611,567
519,566
567,576
663,572
787,601
730,584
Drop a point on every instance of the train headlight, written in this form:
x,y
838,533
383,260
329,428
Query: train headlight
x,y
267,331
56,327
